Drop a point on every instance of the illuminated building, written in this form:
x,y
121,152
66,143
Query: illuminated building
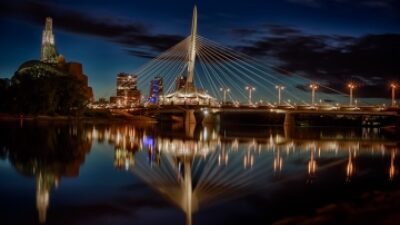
x,y
156,89
48,51
52,64
127,92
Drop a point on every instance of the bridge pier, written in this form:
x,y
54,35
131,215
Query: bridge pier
x,y
190,122
190,118
289,120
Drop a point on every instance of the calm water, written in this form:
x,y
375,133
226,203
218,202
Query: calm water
x,y
127,174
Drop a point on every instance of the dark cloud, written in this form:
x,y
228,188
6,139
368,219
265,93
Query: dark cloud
x,y
139,53
130,34
383,4
371,61
244,32
277,29
311,3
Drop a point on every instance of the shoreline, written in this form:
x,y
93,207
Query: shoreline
x,y
141,119
133,119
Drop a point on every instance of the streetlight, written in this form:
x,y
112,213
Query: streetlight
x,y
351,86
313,88
250,89
393,86
279,88
225,90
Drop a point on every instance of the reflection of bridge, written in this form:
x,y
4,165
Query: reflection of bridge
x,y
195,171
226,74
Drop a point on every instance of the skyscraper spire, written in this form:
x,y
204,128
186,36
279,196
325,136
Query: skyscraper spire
x,y
48,51
192,49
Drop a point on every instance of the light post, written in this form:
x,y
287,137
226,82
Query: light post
x,y
313,88
250,89
393,86
224,90
351,86
279,88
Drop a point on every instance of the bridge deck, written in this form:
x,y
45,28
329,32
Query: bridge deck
x,y
284,109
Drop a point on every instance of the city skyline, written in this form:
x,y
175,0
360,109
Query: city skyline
x,y
109,40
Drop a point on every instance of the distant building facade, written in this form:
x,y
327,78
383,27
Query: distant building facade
x,y
127,91
156,90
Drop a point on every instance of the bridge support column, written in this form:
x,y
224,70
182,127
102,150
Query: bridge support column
x,y
190,122
190,118
288,125
289,120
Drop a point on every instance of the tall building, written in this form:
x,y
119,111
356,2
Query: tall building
x,y
126,84
156,89
48,51
127,92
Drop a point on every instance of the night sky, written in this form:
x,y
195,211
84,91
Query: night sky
x,y
334,40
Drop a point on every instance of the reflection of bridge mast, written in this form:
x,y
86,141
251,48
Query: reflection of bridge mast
x,y
190,173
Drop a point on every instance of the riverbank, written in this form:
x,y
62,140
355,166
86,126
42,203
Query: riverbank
x,y
90,119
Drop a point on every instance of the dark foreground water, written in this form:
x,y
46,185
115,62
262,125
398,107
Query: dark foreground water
x,y
126,174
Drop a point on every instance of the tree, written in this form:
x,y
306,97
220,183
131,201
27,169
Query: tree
x,y
39,88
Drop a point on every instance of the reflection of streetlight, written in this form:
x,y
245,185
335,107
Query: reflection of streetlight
x,y
393,86
278,162
248,160
351,86
312,164
224,90
223,157
250,89
392,168
313,88
279,88
349,168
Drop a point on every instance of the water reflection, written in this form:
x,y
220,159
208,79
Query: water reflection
x,y
204,167
191,171
47,153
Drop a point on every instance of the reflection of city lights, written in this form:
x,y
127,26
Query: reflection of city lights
x,y
392,168
223,158
124,159
235,145
349,168
205,134
248,160
312,164
278,163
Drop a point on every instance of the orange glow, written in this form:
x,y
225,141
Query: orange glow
x,y
314,86
312,164
351,85
392,168
349,168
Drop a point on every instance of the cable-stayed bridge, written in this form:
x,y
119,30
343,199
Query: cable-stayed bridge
x,y
200,74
